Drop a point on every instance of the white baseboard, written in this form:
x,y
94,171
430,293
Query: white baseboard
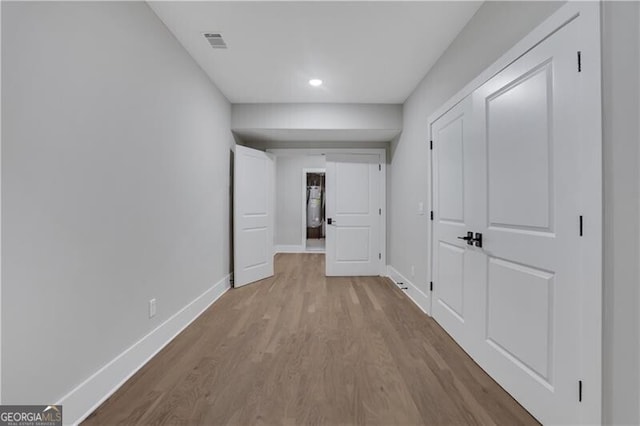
x,y
291,249
415,294
86,397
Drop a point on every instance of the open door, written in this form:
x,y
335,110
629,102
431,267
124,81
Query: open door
x,y
253,215
354,209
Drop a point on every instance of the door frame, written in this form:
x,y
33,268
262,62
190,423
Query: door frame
x,y
306,171
587,16
382,155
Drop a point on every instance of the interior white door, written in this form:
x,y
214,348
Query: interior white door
x,y
455,262
353,214
528,129
505,166
253,215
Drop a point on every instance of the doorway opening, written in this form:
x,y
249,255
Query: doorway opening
x,y
314,210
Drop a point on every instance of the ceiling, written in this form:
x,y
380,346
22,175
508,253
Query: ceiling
x,y
364,51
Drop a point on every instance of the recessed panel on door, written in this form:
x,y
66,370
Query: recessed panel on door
x,y
519,144
256,239
451,171
352,244
352,197
451,279
254,187
520,320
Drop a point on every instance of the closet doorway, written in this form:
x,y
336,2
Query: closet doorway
x,y
313,209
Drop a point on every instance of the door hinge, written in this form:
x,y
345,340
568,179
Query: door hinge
x,y
430,285
380,212
379,167
430,144
581,223
431,215
579,61
380,256
579,390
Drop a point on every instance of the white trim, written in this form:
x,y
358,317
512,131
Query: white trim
x,y
383,215
590,108
297,152
638,118
306,171
431,213
422,300
87,396
591,192
290,249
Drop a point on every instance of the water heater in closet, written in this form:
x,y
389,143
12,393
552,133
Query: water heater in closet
x,y
314,207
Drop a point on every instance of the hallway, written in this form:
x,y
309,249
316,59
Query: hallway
x,y
300,348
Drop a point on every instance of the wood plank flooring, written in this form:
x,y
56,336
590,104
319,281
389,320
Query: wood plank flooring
x,y
301,348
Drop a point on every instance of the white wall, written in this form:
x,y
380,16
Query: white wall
x,y
316,125
313,144
494,29
115,187
289,198
316,116
621,138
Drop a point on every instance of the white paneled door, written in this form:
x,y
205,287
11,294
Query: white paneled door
x,y
505,167
253,215
353,212
454,261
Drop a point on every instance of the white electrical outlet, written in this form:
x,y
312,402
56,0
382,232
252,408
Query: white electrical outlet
x,y
152,308
413,271
420,208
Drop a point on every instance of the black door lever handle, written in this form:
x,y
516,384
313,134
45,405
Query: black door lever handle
x,y
468,238
471,240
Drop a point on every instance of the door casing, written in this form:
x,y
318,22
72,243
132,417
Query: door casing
x,y
305,172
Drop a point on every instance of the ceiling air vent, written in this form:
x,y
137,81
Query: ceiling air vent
x,y
215,40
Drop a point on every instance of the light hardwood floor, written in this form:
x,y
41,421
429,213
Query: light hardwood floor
x,y
301,348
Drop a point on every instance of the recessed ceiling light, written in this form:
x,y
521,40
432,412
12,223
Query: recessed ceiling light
x,y
315,82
